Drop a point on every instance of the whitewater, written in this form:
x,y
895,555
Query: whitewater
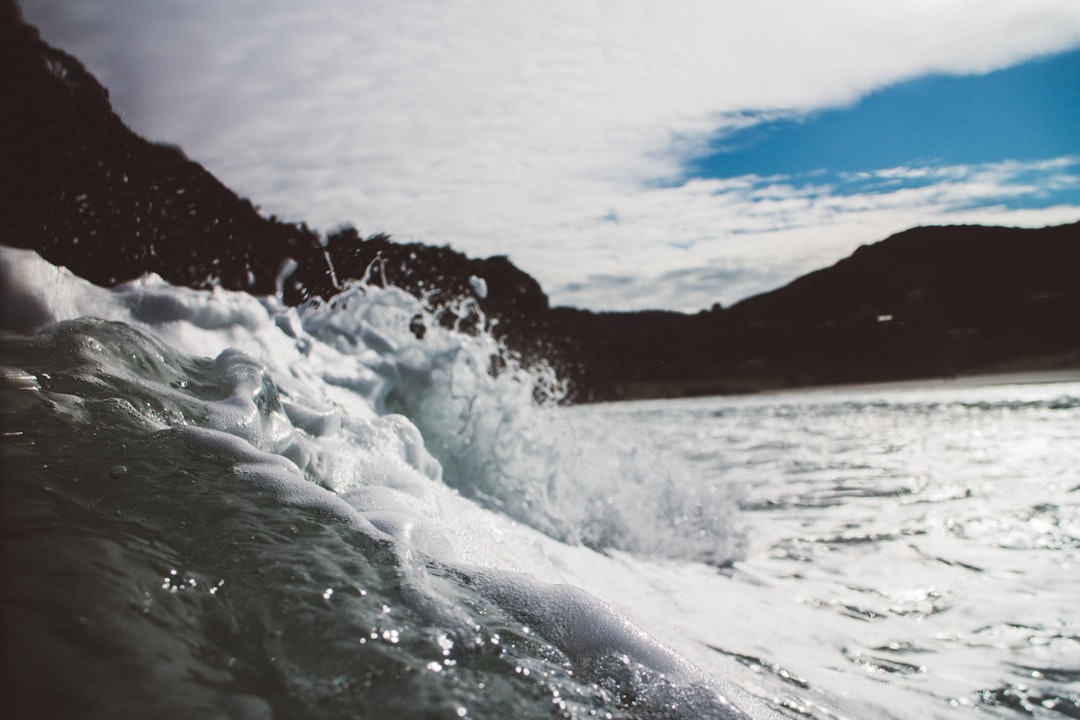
x,y
218,506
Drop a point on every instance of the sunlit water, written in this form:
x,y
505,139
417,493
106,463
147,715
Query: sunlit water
x,y
215,506
912,552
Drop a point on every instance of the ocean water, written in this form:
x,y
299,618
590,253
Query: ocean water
x,y
219,507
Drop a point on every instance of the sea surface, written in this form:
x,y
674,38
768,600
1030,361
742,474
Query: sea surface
x,y
215,506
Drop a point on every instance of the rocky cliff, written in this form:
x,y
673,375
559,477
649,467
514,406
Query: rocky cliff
x,y
83,190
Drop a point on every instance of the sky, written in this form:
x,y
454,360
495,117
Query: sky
x,y
629,154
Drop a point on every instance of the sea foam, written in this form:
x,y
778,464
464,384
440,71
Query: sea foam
x,y
431,441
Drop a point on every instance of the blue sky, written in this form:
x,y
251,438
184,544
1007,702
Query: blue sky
x,y
642,154
1028,112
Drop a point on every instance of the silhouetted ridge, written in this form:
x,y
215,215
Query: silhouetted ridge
x,y
928,302
964,271
84,191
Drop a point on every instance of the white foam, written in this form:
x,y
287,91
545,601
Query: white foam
x,y
274,473
308,415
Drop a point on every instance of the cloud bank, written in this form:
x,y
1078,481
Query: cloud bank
x,y
558,132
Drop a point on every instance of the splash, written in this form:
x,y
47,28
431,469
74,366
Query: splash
x,y
352,449
495,427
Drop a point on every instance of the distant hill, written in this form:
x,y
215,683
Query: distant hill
x,y
928,302
84,191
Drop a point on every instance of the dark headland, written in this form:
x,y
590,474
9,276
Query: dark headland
x,y
84,191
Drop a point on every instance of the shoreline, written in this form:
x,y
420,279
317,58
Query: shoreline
x,y
981,379
1058,368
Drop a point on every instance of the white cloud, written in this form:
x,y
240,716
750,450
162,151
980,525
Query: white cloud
x,y
546,130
